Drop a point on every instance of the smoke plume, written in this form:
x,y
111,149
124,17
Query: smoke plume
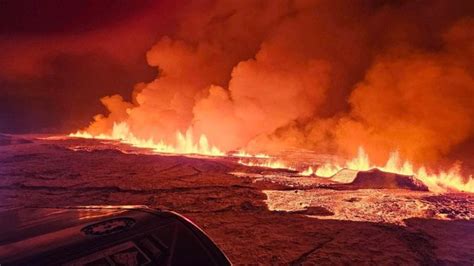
x,y
323,75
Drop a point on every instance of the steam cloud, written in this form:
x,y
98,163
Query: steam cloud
x,y
325,75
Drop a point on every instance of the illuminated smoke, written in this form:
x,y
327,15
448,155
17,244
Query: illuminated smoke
x,y
324,75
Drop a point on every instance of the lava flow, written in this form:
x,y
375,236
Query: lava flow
x,y
185,143
436,182
443,181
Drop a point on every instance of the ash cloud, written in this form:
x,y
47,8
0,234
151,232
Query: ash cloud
x,y
324,75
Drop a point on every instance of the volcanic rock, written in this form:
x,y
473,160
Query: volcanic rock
x,y
344,176
377,179
252,222
10,140
316,210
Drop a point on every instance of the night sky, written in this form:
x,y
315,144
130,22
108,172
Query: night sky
x,y
58,58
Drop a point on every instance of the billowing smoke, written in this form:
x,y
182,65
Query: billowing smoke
x,y
324,75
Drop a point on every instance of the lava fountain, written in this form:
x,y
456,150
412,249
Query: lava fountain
x,y
436,182
443,181
305,81
185,143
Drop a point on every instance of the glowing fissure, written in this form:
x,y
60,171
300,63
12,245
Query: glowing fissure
x,y
268,164
248,155
184,142
440,182
308,172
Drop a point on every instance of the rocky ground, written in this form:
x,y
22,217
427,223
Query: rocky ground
x,y
256,215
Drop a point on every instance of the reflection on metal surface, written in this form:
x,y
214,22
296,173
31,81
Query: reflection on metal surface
x,y
109,226
63,236
88,214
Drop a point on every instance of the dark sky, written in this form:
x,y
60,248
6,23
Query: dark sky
x,y
58,58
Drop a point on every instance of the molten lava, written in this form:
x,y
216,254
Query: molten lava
x,y
436,182
268,164
185,143
443,181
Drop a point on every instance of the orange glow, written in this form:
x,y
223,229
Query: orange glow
x,y
184,142
308,172
248,155
267,164
440,182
